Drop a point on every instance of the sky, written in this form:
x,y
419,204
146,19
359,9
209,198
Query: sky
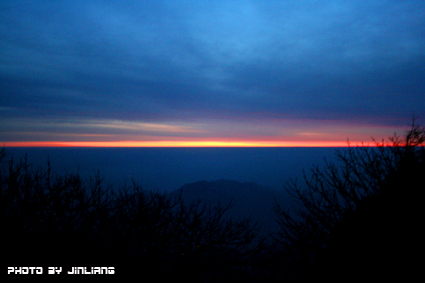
x,y
209,73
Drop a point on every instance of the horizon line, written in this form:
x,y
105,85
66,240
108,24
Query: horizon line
x,y
176,144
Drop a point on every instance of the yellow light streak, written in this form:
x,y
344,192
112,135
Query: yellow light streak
x,y
206,143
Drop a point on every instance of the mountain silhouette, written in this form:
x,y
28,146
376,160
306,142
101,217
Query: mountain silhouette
x,y
249,199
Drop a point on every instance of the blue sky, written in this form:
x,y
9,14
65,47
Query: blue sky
x,y
210,70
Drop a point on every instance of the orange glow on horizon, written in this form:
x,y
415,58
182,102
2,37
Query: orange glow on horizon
x,y
180,144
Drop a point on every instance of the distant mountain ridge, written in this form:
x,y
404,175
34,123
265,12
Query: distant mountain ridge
x,y
250,199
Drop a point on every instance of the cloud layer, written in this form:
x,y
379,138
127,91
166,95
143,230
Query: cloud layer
x,y
147,70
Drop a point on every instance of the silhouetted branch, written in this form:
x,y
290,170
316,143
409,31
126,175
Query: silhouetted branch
x,y
69,221
331,192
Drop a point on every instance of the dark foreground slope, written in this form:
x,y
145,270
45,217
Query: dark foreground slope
x,y
382,238
362,218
